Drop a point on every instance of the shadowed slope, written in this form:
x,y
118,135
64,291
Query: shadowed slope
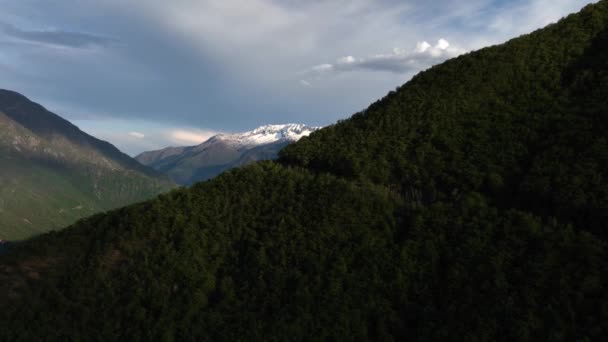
x,y
52,173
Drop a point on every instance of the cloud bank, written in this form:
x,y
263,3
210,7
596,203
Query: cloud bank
x,y
229,65
184,137
398,61
137,135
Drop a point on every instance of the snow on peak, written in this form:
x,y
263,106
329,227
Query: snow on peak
x,y
268,134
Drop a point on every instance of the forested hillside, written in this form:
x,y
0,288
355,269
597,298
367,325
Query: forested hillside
x,y
522,123
470,204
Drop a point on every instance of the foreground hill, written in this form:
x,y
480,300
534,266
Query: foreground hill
x,y
524,124
53,174
188,165
468,205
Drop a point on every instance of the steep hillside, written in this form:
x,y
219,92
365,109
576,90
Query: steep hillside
x,y
53,174
522,123
469,205
188,165
156,159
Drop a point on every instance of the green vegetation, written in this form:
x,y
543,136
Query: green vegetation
x,y
52,174
34,199
522,123
38,197
470,204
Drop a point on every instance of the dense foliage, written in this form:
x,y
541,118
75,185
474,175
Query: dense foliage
x,y
468,205
523,123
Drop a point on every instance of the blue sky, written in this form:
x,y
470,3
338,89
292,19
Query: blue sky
x,y
145,74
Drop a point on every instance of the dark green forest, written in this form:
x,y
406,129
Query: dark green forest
x,y
470,204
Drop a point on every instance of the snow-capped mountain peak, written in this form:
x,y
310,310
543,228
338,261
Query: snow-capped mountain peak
x,y
190,164
268,134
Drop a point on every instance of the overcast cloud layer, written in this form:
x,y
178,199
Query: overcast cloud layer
x,y
148,73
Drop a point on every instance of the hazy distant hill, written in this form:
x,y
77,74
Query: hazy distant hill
x,y
187,165
52,174
471,204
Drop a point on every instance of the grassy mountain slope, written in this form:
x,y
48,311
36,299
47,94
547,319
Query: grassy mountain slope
x,y
35,198
467,205
53,174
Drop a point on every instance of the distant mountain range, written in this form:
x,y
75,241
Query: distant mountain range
x,y
52,173
187,165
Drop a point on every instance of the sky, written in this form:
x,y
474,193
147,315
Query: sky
x,y
146,74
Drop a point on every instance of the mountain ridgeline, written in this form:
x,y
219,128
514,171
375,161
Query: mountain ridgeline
x,y
52,173
523,124
188,165
470,205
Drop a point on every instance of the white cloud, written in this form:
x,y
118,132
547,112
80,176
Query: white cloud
x,y
158,135
347,60
187,137
137,135
421,47
305,83
54,37
442,44
398,61
322,68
